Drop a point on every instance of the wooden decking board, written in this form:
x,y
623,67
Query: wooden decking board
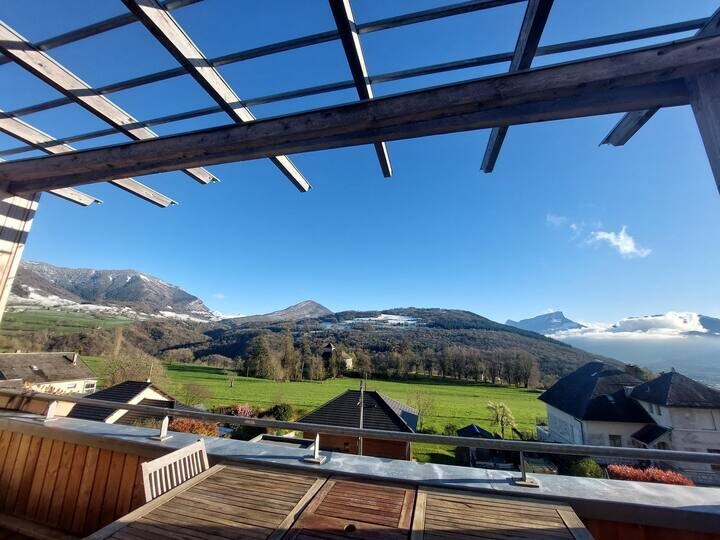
x,y
162,529
203,530
214,526
271,485
497,526
252,490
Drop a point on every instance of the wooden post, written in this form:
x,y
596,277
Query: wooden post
x,y
705,100
16,216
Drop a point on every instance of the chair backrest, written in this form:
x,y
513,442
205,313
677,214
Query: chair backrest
x,y
164,473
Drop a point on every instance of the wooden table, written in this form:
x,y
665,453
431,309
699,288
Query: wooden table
x,y
455,514
237,502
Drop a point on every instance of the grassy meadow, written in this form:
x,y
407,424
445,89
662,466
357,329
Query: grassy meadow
x,y
454,402
55,321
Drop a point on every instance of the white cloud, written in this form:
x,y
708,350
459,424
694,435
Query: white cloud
x,y
621,241
670,325
219,296
555,220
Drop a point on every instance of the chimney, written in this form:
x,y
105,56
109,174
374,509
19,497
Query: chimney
x,y
75,359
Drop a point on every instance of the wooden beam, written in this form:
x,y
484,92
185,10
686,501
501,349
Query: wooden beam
x,y
631,123
705,101
536,15
42,141
644,78
40,64
171,35
345,23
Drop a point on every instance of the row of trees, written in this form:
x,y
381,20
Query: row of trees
x,y
283,357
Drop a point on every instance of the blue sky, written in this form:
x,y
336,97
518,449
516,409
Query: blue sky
x,y
544,231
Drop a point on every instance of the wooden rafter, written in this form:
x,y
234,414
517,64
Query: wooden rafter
x,y
644,78
171,35
631,122
25,132
40,64
345,23
536,15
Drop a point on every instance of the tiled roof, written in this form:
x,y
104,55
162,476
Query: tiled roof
x,y
120,393
44,367
596,391
675,390
473,430
379,412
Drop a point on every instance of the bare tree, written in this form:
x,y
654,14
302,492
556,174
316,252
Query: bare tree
x,y
231,376
194,394
139,367
424,402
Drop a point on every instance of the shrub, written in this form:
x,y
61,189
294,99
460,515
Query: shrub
x,y
450,429
281,411
198,427
652,474
585,467
241,409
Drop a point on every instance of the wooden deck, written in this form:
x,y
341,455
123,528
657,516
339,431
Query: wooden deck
x,y
238,502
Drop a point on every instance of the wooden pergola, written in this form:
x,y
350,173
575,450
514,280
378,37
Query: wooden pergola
x,y
640,81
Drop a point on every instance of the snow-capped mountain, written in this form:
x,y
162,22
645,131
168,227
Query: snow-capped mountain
x,y
547,323
120,292
676,339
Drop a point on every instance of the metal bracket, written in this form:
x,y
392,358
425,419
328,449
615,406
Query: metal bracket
x,y
315,458
50,414
163,436
525,480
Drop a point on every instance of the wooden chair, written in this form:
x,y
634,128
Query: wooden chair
x,y
164,473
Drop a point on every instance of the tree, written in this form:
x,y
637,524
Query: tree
x,y
305,358
182,354
138,367
231,376
362,363
264,365
501,416
194,394
289,362
424,402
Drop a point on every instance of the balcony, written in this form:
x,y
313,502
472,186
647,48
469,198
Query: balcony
x,y
77,477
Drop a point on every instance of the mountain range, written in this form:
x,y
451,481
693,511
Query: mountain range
x,y
682,340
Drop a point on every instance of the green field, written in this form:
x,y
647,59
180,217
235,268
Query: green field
x,y
454,403
56,321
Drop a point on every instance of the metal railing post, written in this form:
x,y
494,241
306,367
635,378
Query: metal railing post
x,y
50,414
315,458
524,481
163,436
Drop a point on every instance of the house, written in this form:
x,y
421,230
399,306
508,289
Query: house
x,y
599,404
53,372
379,412
131,392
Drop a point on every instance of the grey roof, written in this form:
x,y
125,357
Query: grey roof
x,y
379,412
120,393
673,389
650,433
44,367
473,430
596,391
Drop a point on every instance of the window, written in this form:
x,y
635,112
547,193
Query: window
x,y
714,466
71,386
658,410
615,440
89,386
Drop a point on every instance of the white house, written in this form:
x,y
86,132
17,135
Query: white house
x,y
56,372
599,404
